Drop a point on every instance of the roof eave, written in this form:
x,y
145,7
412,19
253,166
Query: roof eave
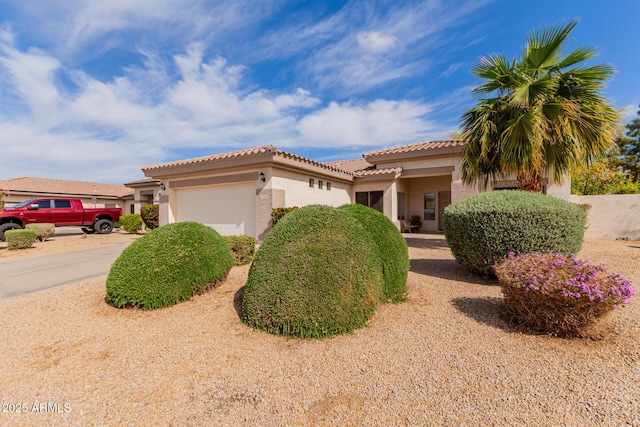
x,y
412,155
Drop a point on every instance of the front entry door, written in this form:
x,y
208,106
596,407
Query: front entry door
x,y
444,200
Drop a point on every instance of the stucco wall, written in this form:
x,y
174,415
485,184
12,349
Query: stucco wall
x,y
297,191
612,216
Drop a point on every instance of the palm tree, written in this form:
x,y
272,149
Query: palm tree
x,y
540,114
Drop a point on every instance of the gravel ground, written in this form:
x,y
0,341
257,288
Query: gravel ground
x,y
443,358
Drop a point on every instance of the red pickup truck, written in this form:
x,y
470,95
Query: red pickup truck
x,y
59,212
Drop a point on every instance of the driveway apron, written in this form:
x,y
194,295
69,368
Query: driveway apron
x,y
22,277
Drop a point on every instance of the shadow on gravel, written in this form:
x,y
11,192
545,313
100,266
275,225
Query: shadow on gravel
x,y
237,302
487,310
448,269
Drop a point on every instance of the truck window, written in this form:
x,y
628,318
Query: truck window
x,y
62,204
44,204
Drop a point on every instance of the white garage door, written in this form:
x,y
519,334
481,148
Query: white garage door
x,y
229,209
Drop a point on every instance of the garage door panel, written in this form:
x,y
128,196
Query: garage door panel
x,y
228,209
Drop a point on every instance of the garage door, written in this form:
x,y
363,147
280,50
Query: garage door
x,y
229,209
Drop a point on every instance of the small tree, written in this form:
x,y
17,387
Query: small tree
x,y
629,146
2,194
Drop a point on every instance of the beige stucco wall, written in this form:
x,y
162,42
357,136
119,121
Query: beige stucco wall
x,y
611,216
297,191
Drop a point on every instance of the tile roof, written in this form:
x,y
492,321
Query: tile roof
x,y
417,147
212,157
352,165
243,153
371,172
60,186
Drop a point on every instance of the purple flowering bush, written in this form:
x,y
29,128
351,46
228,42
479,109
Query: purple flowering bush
x,y
557,294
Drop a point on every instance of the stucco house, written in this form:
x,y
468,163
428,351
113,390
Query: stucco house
x,y
92,194
235,192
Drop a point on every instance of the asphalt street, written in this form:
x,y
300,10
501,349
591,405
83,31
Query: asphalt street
x,y
22,277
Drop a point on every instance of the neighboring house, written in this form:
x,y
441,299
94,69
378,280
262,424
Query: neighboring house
x,y
146,192
235,192
92,194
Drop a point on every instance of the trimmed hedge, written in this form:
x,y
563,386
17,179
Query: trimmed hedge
x,y
317,274
20,238
132,223
168,265
43,230
150,215
391,246
243,248
483,229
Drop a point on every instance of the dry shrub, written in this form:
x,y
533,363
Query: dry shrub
x,y
43,230
559,295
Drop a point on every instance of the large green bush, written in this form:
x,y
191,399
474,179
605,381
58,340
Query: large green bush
x,y
483,229
20,238
168,265
391,247
44,230
132,223
316,274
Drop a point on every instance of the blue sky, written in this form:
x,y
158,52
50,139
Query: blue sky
x,y
95,90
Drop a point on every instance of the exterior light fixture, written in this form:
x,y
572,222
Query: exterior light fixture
x,y
262,177
162,187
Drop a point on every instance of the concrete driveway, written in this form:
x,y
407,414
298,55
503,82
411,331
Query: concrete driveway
x,y
22,277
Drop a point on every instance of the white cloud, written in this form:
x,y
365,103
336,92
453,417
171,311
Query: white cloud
x,y
452,69
376,42
30,76
380,123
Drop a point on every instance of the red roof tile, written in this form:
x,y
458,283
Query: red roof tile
x,y
424,146
352,165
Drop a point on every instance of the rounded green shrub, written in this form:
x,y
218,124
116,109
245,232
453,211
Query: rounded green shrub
x,y
391,247
168,265
317,274
483,229
20,238
132,223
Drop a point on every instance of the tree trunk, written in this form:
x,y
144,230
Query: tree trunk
x,y
528,181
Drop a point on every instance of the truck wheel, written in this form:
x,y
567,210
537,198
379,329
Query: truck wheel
x,y
8,226
88,230
103,226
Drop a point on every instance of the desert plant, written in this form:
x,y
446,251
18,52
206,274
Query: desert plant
x,y
560,295
43,230
243,248
391,246
278,213
132,223
483,229
542,113
168,265
316,274
20,238
150,215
